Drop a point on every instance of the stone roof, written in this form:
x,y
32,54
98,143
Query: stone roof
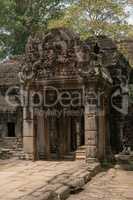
x,y
9,72
109,49
8,77
126,48
104,42
112,58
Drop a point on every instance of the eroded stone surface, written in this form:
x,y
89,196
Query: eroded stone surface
x,y
114,184
42,180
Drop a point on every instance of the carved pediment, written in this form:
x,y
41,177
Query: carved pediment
x,y
52,54
60,53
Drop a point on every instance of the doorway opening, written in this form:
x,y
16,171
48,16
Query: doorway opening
x,y
11,129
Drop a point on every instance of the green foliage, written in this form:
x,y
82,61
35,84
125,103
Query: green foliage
x,y
19,18
95,17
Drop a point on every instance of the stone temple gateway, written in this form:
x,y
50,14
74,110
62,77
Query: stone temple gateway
x,y
70,107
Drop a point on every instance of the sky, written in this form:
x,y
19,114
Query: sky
x,y
130,10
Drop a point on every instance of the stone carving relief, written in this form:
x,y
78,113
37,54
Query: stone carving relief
x,y
51,55
60,53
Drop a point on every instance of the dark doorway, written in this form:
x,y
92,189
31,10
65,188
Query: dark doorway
x,y
82,131
73,135
11,129
77,132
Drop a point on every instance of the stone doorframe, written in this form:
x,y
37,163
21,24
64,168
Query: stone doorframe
x,y
30,131
96,130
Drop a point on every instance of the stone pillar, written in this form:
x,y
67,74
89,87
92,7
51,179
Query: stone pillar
x,y
90,133
28,133
102,129
46,137
28,125
78,133
40,136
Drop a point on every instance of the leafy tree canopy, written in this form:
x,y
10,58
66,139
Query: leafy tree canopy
x,y
19,18
94,17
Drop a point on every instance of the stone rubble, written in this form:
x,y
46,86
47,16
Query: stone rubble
x,y
60,179
113,184
63,185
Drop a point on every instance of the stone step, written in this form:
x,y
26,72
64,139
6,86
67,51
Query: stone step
x,y
80,157
81,147
80,153
70,156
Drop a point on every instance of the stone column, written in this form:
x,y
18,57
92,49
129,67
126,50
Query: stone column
x,y
102,128
78,134
28,133
28,128
90,133
46,137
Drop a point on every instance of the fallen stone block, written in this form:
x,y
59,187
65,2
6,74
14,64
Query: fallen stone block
x,y
78,172
94,168
76,184
44,195
48,196
86,176
59,179
63,193
64,181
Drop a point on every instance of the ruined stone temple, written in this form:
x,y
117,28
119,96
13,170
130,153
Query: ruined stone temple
x,y
65,99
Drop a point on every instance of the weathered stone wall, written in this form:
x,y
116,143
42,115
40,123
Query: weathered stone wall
x,y
10,147
6,118
128,127
3,130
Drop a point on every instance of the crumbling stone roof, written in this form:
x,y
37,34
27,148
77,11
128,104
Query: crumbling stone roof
x,y
109,48
104,42
112,58
126,48
8,77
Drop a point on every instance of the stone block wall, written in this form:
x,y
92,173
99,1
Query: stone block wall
x,y
10,147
